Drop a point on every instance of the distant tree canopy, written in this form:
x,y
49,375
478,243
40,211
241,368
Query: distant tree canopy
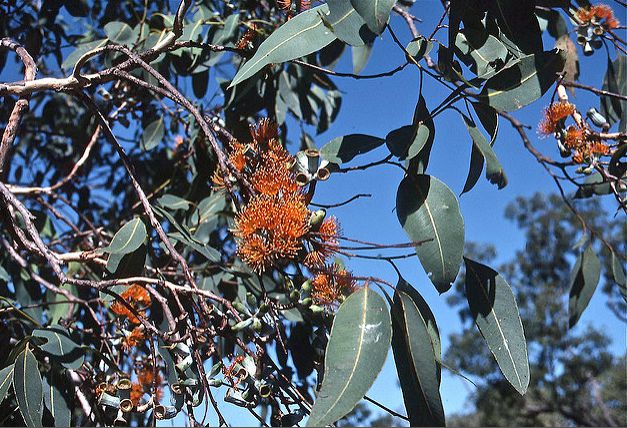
x,y
162,253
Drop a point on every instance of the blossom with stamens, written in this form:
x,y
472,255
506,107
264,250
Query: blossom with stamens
x,y
332,285
137,298
554,115
599,14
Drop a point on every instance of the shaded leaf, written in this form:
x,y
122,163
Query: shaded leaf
x,y
27,387
200,82
428,210
494,170
523,82
495,312
153,134
346,148
517,20
6,379
55,391
128,238
481,51
584,280
173,202
81,49
416,357
359,342
617,270
615,81
361,55
58,344
120,33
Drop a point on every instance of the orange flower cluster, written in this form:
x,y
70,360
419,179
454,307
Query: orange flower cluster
x,y
134,338
271,225
138,298
324,244
554,116
599,14
146,379
332,285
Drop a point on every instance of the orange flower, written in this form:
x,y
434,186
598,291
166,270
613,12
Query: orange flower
x,y
138,298
602,14
324,244
599,148
238,155
271,228
134,338
574,137
264,131
553,115
332,285
284,4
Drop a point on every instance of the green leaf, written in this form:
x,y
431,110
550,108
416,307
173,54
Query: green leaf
x,y
583,283
482,52
346,148
59,345
173,202
428,209
474,171
304,34
361,55
359,342
615,81
6,379
594,184
153,134
494,170
419,47
81,50
617,271
346,23
495,312
523,82
55,391
28,389
416,356
120,33
128,238
376,13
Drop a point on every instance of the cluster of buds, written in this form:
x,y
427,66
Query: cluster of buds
x,y
593,23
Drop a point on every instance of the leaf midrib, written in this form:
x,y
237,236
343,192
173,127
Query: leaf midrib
x,y
498,324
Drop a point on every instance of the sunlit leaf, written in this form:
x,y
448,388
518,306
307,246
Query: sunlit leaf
x,y
359,342
428,210
153,134
346,148
128,238
376,13
6,379
495,312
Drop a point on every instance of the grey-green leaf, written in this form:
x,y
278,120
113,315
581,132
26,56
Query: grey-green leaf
x,y
495,312
81,50
120,33
494,170
128,238
347,24
428,210
346,148
583,283
6,379
357,348
173,202
28,388
415,357
523,82
59,345
361,55
376,13
153,134
617,270
55,390
615,81
304,34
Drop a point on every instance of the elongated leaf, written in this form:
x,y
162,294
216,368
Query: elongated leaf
x,y
128,238
359,342
523,82
55,390
346,148
583,283
416,359
495,312
173,202
428,209
481,51
304,34
617,270
59,345
517,20
474,171
376,13
28,389
494,170
615,81
153,134
81,50
6,379
120,33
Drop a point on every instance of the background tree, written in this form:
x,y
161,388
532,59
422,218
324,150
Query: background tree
x,y
161,251
575,379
